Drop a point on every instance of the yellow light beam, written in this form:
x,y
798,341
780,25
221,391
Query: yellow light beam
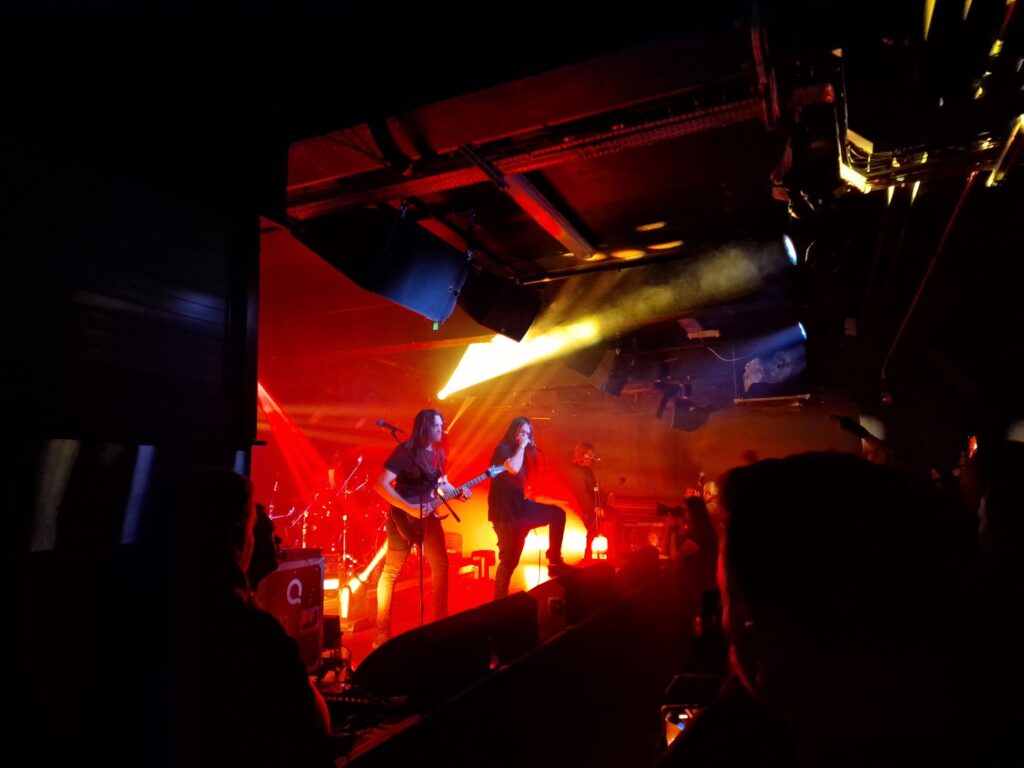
x,y
735,269
501,355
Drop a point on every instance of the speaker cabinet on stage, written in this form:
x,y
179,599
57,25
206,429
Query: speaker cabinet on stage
x,y
439,659
294,594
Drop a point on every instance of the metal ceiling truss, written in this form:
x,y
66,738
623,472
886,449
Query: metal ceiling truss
x,y
594,136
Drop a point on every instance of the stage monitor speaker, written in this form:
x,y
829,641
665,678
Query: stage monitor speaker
x,y
588,589
499,304
437,660
639,566
573,597
391,255
294,594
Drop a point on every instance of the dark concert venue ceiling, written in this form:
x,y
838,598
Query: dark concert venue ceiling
x,y
578,169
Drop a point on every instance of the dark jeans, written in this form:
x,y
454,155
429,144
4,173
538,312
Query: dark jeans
x,y
512,538
398,552
593,528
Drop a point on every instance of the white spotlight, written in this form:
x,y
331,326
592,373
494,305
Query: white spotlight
x,y
803,331
790,249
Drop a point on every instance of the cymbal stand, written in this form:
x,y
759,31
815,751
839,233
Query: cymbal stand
x,y
346,558
304,517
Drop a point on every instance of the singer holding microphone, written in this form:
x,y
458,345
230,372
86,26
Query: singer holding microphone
x,y
512,514
417,468
589,498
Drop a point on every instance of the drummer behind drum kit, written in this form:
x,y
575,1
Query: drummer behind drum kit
x,y
348,521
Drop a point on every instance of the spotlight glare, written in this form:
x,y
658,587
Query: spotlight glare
x,y
803,331
790,249
729,271
500,355
628,254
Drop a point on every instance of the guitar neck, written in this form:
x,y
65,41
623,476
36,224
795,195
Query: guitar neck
x,y
437,500
458,491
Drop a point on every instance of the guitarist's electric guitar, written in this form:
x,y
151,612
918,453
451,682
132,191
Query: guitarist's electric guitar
x,y
429,508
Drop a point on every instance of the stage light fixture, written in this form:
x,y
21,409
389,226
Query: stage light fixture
x,y
787,243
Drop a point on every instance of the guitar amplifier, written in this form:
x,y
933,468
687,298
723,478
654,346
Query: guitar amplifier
x,y
638,525
294,594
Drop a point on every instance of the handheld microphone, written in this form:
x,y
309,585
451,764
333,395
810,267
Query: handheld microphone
x,y
392,427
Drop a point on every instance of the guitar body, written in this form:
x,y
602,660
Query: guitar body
x,y
411,529
408,527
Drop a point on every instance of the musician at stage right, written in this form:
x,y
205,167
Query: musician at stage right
x,y
417,469
590,501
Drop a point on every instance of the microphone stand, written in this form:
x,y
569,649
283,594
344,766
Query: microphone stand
x,y
450,510
423,540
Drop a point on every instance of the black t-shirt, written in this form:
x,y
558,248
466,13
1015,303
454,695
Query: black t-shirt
x,y
411,481
583,484
506,494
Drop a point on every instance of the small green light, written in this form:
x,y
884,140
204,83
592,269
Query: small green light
x,y
436,326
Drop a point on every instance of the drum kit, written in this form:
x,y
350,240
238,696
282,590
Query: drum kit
x,y
347,521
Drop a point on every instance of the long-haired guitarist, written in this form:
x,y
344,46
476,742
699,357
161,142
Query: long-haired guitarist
x,y
417,469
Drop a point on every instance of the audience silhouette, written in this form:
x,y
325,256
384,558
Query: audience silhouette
x,y
258,707
844,596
